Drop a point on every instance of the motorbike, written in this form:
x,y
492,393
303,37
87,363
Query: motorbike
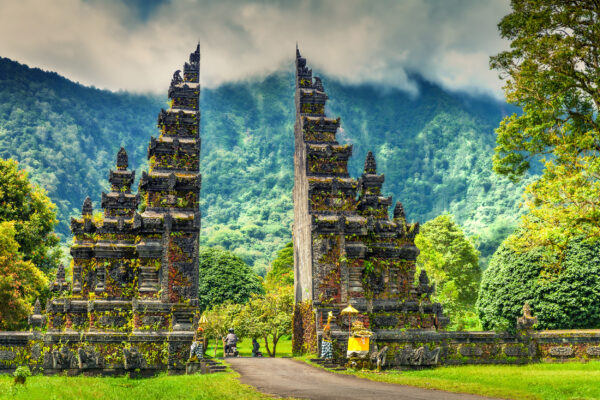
x,y
231,351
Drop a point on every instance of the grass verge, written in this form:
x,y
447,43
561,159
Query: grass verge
x,y
558,381
219,386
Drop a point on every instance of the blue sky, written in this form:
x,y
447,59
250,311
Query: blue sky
x,y
136,44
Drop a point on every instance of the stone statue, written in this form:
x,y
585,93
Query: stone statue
x,y
176,78
378,357
37,320
326,341
526,321
197,347
122,160
133,359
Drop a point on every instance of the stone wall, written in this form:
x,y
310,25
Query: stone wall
x,y
415,349
95,353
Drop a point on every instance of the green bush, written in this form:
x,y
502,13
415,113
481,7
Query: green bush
x,y
452,265
21,374
568,299
225,276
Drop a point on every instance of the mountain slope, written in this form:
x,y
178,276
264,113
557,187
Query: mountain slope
x,y
435,150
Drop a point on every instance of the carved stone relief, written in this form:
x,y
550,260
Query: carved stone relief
x,y
470,351
561,351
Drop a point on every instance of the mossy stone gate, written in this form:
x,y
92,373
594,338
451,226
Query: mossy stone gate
x,y
134,301
348,251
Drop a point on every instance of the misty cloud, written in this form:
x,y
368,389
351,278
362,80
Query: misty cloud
x,y
117,45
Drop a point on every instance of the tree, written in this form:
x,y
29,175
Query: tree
x,y
33,215
451,262
20,281
220,318
268,317
552,72
224,276
568,300
282,268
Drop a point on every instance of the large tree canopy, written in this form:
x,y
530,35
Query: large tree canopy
x,y
33,214
281,272
451,262
224,276
568,300
20,281
553,73
268,317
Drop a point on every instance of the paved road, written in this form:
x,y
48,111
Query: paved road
x,y
290,378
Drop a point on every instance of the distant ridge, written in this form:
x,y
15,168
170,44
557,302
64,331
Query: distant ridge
x,y
434,149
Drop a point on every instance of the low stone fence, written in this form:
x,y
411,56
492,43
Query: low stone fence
x,y
95,353
420,348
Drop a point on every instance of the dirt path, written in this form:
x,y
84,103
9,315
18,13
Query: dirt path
x,y
291,378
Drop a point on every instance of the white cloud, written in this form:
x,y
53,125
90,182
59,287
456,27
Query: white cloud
x,y
106,44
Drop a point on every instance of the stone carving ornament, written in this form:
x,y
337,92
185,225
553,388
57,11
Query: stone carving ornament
x,y
62,359
420,356
121,275
470,351
177,79
133,359
593,351
36,351
378,357
561,351
87,358
515,351
7,355
526,321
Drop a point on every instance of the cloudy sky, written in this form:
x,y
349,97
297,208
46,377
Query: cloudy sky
x,y
135,45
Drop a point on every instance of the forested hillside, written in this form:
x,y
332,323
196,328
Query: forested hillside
x,y
435,150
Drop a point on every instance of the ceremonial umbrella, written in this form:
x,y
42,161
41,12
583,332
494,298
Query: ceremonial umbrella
x,y
203,321
350,312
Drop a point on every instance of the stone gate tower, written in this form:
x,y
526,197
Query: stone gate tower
x,y
134,300
347,250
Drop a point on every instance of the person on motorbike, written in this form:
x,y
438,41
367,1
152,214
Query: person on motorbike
x,y
230,340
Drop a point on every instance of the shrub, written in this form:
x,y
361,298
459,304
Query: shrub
x,y
568,299
21,374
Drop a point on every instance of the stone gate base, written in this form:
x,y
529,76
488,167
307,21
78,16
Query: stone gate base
x,y
96,353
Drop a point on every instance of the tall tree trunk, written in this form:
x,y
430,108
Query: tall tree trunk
x,y
267,346
275,340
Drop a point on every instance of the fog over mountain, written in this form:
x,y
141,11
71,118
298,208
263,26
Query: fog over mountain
x,y
136,45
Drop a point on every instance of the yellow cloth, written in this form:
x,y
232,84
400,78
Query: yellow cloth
x,y
358,344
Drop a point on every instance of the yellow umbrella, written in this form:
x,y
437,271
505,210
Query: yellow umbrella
x,y
203,320
350,312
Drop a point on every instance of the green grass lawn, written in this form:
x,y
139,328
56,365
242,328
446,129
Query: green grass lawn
x,y
533,381
214,387
284,347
